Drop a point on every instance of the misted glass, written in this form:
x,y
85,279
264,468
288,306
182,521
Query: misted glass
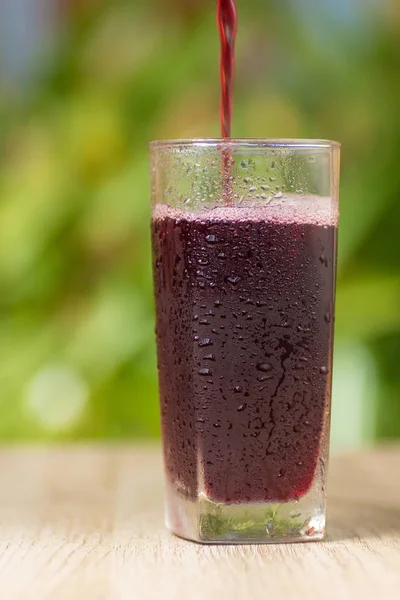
x,y
244,244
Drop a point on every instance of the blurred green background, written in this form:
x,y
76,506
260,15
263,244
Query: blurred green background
x,y
84,85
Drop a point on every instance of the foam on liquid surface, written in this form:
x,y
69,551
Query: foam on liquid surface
x,y
312,210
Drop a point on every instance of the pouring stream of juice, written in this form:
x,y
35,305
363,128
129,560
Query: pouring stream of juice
x,y
227,20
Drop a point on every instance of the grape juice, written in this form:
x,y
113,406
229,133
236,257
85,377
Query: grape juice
x,y
227,22
244,301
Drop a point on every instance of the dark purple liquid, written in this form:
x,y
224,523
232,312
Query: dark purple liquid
x,y
244,328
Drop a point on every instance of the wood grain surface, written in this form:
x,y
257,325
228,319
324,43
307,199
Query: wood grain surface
x,y
85,523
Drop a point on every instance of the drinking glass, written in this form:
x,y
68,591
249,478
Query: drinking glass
x,y
244,239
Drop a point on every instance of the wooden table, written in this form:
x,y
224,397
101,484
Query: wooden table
x,y
86,523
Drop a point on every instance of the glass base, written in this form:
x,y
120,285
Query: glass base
x,y
206,522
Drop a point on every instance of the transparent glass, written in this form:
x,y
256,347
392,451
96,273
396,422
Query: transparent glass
x,y
244,247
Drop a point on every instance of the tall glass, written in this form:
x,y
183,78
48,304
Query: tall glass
x,y
244,245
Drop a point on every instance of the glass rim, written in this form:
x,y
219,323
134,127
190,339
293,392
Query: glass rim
x,y
246,143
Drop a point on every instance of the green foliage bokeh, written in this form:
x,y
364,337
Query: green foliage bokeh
x,y
75,269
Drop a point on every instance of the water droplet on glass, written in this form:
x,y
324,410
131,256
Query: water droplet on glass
x,y
211,239
238,389
264,367
323,260
205,372
241,407
205,342
234,279
270,527
327,317
324,370
209,357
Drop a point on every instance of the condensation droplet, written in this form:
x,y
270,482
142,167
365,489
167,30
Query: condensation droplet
x,y
264,367
323,260
205,372
234,279
211,239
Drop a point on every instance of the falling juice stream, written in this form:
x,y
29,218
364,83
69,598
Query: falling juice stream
x,y
227,21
